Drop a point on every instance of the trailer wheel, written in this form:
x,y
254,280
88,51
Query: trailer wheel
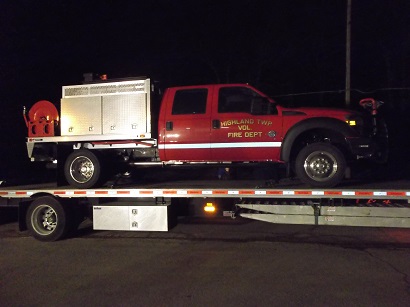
x,y
320,165
82,169
47,220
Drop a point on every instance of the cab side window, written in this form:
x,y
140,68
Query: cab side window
x,y
243,100
192,101
235,99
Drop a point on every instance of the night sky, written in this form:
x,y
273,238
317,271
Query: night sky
x,y
282,47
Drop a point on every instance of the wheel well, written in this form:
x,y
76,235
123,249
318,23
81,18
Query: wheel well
x,y
318,135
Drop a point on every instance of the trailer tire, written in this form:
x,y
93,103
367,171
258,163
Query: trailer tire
x,y
47,219
320,165
82,169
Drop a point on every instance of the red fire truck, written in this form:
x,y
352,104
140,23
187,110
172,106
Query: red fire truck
x,y
104,126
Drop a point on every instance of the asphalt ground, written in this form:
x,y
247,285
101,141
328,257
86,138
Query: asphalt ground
x,y
214,262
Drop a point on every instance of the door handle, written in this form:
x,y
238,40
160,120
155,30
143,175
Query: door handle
x,y
216,124
169,126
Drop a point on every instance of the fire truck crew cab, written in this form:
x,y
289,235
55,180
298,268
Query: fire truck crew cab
x,y
110,122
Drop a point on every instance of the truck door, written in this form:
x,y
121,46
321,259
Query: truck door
x,y
187,124
245,125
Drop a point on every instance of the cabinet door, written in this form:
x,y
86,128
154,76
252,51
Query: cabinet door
x,y
81,116
126,114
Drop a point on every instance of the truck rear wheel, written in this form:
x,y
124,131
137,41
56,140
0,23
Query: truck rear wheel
x,y
47,219
82,169
320,165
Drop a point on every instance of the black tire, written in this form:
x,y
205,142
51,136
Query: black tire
x,y
320,165
47,220
82,169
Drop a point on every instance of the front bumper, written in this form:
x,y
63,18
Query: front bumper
x,y
363,147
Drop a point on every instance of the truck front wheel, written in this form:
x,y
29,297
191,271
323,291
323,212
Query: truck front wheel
x,y
47,219
82,169
320,165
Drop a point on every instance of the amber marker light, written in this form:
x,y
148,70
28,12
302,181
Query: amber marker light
x,y
209,208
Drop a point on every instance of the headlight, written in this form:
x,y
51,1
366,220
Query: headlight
x,y
356,122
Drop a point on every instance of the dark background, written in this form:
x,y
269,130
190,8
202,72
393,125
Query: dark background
x,y
292,50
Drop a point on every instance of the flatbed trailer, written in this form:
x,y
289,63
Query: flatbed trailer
x,y
51,213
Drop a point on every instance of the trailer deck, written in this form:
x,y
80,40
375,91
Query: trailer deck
x,y
151,206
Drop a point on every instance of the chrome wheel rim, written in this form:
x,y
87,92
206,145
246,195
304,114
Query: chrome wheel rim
x,y
82,169
44,220
320,166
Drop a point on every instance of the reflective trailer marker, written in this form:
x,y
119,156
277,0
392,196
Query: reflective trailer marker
x,y
209,207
